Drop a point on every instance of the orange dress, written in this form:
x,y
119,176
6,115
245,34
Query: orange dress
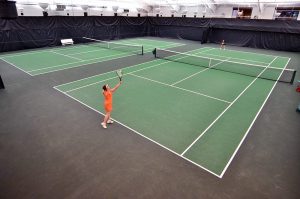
x,y
107,100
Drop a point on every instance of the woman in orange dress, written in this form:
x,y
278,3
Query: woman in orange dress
x,y
108,99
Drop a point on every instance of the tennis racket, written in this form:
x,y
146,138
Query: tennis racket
x,y
120,74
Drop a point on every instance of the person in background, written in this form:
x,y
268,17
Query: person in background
x,y
222,45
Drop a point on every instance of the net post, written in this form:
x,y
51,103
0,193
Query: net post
x,y
154,53
142,50
293,77
1,83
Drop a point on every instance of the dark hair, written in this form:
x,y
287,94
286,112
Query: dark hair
x,y
104,87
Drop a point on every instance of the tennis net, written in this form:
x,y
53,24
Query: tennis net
x,y
227,65
130,48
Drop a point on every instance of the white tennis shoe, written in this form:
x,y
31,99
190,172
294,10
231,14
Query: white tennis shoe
x,y
110,121
104,125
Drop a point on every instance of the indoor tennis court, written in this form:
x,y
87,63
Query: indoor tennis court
x,y
148,99
191,115
46,61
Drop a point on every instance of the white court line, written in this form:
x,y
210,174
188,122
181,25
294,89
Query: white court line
x,y
177,44
164,47
224,111
15,66
115,76
136,131
153,40
66,55
156,60
26,53
126,55
131,129
78,62
238,147
124,74
181,88
66,93
237,58
169,46
253,53
201,71
58,48
101,49
209,49
215,59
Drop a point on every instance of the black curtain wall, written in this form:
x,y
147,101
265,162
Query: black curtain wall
x,y
257,39
33,32
180,28
267,34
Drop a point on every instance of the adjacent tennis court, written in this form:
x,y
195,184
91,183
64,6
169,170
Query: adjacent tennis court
x,y
199,105
61,58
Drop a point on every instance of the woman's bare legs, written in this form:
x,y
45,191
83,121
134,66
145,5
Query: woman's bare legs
x,y
106,118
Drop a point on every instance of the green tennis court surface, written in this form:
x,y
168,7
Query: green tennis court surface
x,y
198,113
45,61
